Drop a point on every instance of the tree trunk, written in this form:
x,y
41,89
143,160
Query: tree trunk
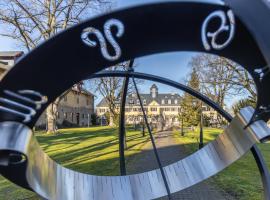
x,y
111,120
50,119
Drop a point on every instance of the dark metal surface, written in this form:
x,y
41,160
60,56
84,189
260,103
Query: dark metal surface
x,y
122,130
148,29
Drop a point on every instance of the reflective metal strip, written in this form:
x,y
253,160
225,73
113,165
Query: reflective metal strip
x,y
55,182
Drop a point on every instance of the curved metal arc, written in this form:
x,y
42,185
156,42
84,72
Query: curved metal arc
x,y
265,176
53,181
166,81
122,130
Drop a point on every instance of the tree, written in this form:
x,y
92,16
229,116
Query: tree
x,y
110,88
30,22
190,106
221,78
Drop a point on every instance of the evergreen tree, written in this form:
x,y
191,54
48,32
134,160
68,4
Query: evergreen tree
x,y
190,106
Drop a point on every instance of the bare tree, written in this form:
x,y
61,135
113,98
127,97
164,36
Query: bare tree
x,y
110,88
221,78
30,22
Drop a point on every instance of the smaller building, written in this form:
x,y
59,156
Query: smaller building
x,y
7,60
75,109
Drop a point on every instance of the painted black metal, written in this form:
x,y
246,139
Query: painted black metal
x,y
152,140
201,129
122,130
161,28
64,60
258,26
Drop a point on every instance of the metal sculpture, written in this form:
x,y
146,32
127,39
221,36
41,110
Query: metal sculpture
x,y
141,29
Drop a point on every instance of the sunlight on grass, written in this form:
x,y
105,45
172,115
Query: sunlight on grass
x,y
91,150
241,179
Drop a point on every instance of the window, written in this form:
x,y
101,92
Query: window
x,y
169,101
78,100
172,109
131,101
102,110
65,115
138,101
144,102
153,109
82,116
162,101
175,101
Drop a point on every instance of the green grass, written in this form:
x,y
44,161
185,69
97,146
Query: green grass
x,y
241,179
95,151
89,150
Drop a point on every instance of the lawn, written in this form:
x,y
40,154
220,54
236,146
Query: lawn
x,y
95,151
241,179
88,150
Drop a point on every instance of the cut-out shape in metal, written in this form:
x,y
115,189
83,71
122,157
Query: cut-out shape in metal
x,y
224,27
262,72
18,103
102,41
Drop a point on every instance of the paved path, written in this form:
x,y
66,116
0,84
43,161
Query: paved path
x,y
170,151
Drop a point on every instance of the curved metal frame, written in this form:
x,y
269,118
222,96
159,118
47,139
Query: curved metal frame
x,y
161,30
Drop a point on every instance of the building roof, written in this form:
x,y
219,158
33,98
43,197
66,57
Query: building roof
x,y
3,66
161,98
11,54
147,98
82,90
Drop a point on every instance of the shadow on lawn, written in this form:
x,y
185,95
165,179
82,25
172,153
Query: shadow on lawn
x,y
136,163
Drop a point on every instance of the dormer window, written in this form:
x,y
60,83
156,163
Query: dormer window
x,y
175,101
162,101
154,91
144,102
169,101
